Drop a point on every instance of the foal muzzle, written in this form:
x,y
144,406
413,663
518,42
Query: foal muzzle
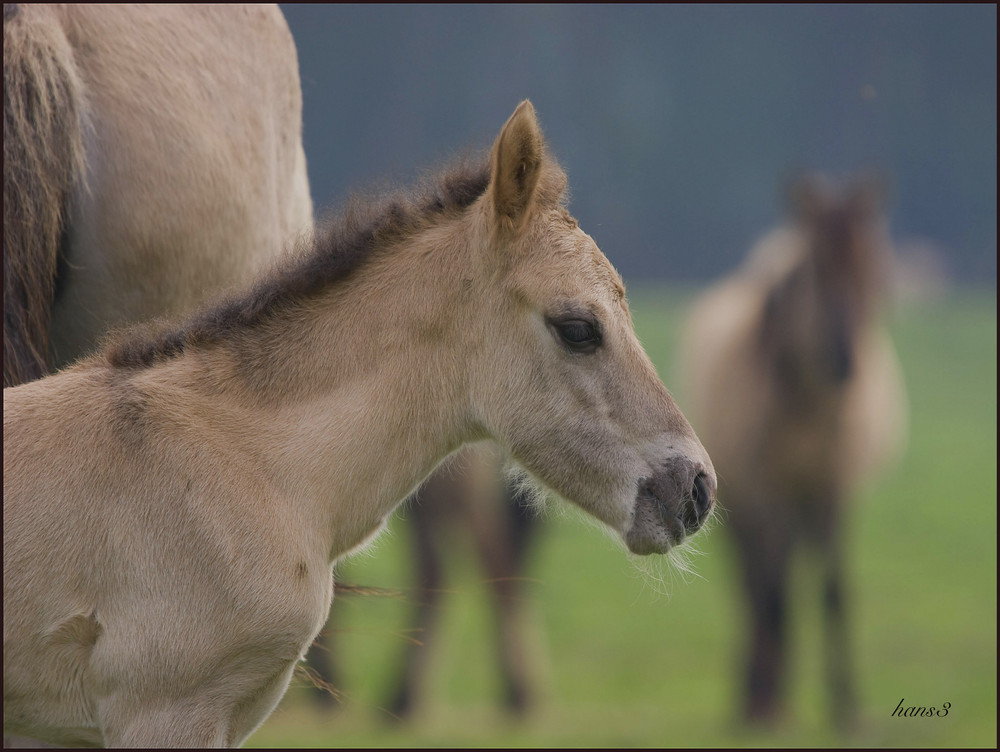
x,y
671,505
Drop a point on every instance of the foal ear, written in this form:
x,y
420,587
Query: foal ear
x,y
517,165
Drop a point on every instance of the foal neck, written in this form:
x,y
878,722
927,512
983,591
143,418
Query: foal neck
x,y
347,366
362,389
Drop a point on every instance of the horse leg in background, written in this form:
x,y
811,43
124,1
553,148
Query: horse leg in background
x,y
765,548
501,533
503,549
322,658
428,510
424,523
838,657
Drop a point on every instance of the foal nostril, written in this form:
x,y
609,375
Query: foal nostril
x,y
701,496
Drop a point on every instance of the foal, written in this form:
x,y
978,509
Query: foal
x,y
173,506
796,390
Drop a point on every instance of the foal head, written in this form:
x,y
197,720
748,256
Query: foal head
x,y
559,377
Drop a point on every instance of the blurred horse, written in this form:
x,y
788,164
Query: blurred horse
x,y
152,156
465,498
795,388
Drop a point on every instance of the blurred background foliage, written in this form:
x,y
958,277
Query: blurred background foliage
x,y
677,126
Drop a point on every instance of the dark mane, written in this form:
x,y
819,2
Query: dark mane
x,y
341,246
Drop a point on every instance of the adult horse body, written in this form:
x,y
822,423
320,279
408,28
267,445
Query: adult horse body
x,y
173,505
152,155
795,388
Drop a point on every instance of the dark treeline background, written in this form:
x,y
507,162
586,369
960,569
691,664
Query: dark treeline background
x,y
676,124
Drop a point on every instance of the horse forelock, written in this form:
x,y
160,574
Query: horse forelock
x,y
341,245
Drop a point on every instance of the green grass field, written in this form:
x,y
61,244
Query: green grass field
x,y
627,660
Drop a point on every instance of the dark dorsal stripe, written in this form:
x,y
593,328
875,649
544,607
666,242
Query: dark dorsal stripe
x,y
342,245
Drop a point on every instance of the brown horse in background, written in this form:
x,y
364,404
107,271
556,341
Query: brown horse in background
x,y
794,386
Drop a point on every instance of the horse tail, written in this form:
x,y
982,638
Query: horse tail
x,y
42,157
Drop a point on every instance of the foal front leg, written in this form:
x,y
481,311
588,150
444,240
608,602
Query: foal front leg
x,y
213,717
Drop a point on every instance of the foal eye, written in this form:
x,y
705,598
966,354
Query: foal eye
x,y
578,335
576,332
